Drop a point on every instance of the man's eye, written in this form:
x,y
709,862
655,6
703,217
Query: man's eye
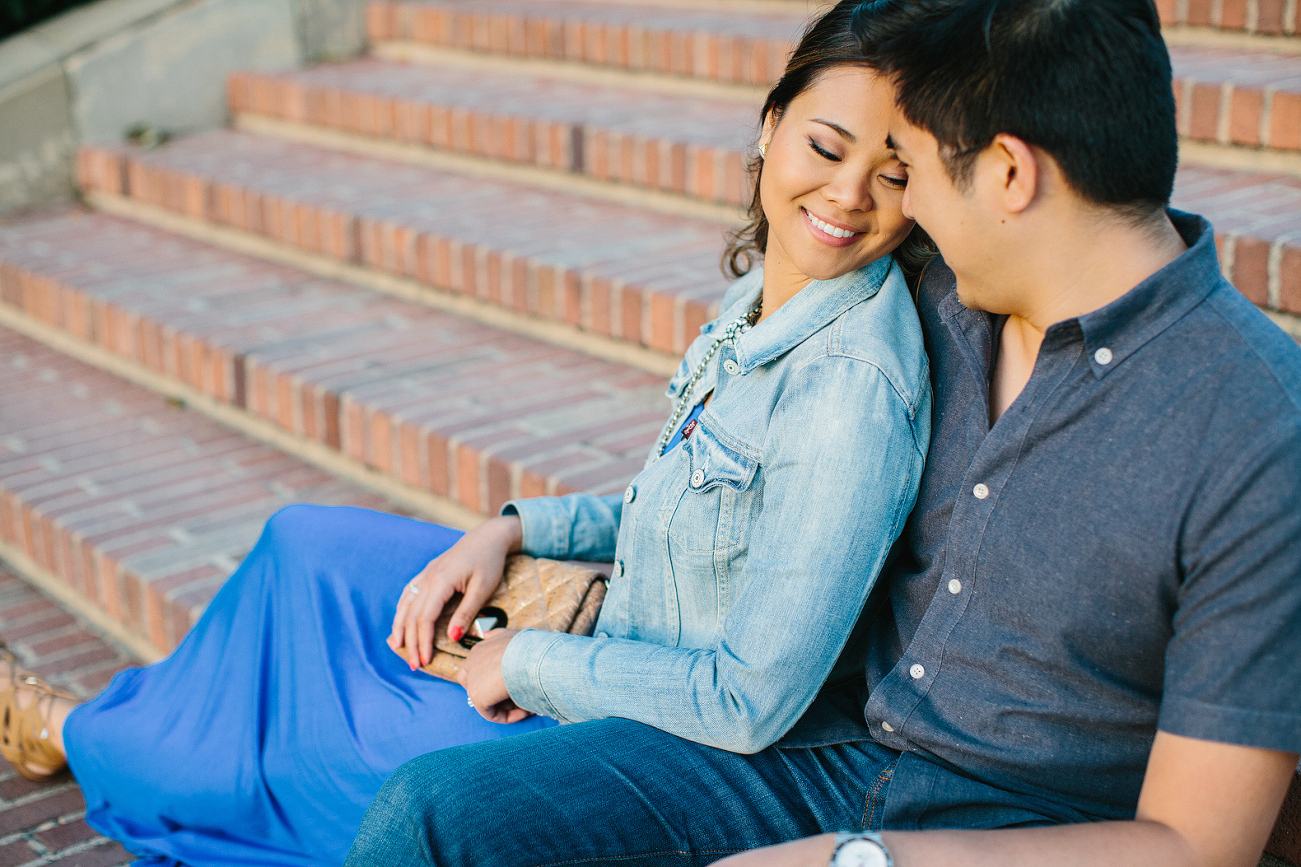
x,y
823,152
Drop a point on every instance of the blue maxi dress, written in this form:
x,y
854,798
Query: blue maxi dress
x,y
264,736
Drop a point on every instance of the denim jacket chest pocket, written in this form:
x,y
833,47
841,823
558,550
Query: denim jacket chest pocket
x,y
716,480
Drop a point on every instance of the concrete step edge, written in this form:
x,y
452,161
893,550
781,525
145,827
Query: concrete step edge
x,y
556,333
1185,34
1239,158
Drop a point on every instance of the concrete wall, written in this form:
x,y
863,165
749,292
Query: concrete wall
x,y
93,72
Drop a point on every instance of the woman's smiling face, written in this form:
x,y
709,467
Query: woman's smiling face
x,y
831,189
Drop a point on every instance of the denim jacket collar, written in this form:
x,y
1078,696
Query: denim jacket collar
x,y
808,311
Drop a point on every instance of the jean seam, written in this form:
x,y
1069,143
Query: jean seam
x,y
869,808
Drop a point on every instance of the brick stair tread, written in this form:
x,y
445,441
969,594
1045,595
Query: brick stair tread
x,y
139,506
1266,17
624,134
1257,218
617,270
438,402
1236,96
651,279
682,40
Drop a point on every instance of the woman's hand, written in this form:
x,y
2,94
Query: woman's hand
x,y
481,676
472,567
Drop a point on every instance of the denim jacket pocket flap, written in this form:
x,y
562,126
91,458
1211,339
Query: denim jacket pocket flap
x,y
714,464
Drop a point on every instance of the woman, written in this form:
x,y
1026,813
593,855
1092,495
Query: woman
x,y
743,553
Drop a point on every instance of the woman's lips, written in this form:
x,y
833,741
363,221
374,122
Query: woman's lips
x,y
829,233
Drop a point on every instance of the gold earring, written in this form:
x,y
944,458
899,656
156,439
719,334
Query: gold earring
x,y
763,151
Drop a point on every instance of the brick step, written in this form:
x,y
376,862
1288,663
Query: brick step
x,y
650,279
430,400
1233,96
702,41
1263,17
687,145
134,503
637,276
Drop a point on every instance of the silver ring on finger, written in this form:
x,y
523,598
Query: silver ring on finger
x,y
413,588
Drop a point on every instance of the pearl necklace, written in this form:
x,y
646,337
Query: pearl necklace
x,y
729,336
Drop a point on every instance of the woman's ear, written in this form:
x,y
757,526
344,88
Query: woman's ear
x,y
765,135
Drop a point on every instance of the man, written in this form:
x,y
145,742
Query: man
x,y
1088,651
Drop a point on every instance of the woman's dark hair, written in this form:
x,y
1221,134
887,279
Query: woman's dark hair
x,y
847,35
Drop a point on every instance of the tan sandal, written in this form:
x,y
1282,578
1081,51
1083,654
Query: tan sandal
x,y
24,731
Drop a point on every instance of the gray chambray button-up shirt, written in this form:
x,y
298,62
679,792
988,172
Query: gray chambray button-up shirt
x,y
1120,552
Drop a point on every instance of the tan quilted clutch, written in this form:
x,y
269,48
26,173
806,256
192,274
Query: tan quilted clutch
x,y
534,594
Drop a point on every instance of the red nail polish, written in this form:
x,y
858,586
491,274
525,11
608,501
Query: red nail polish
x,y
456,633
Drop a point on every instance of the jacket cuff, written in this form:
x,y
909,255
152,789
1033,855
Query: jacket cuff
x,y
521,669
546,525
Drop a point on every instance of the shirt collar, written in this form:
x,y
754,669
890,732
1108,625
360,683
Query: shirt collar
x,y
1124,326
812,308
1134,319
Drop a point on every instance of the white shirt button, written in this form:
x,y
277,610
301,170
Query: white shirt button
x,y
617,571
629,495
917,672
1103,356
981,491
887,726
697,478
731,367
955,586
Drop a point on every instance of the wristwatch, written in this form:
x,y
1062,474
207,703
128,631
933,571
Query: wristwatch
x,y
860,849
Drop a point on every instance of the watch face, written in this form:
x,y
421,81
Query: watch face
x,y
860,853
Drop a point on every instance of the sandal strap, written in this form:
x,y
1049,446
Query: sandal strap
x,y
24,731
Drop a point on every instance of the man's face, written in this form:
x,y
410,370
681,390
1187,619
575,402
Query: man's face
x,y
951,216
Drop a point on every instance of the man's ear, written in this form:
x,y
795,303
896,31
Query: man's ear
x,y
1016,172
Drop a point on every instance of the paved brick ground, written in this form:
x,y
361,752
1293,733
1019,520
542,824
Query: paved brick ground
x,y
41,823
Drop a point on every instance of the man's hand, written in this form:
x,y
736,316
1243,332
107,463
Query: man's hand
x,y
1203,804
481,676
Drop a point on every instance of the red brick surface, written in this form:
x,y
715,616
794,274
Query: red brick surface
x,y
682,40
1238,97
449,405
541,252
1266,17
1257,220
140,506
41,823
689,145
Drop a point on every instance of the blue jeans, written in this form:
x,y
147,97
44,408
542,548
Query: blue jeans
x,y
619,792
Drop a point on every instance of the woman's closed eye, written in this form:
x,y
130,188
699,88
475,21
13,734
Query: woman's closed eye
x,y
823,152
895,181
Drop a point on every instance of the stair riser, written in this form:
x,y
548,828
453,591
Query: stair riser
x,y
357,400
628,308
706,55
1265,17
710,174
1231,114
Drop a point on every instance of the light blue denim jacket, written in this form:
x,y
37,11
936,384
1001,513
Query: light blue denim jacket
x,y
744,556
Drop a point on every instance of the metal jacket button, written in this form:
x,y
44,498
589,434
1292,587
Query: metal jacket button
x,y
731,367
629,495
697,478
618,569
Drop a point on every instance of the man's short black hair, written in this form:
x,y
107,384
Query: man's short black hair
x,y
1087,80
